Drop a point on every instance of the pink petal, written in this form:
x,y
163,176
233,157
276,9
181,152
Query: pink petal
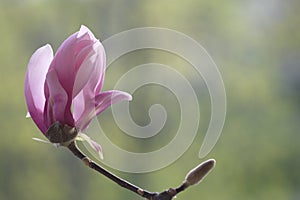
x,y
96,81
56,100
97,147
83,30
107,98
102,101
102,66
78,106
34,84
86,70
89,91
70,56
68,61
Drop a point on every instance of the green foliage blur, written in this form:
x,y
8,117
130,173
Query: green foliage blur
x,y
256,45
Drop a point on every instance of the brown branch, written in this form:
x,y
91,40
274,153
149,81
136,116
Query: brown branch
x,y
65,136
192,178
144,193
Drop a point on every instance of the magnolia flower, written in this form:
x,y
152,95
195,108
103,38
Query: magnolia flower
x,y
64,90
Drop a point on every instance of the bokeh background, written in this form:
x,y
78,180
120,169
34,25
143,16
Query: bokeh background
x,y
256,45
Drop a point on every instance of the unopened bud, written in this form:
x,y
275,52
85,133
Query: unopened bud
x,y
198,173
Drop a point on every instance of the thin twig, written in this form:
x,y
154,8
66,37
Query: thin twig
x,y
144,193
65,136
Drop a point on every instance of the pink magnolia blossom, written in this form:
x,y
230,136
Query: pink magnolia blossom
x,y
66,87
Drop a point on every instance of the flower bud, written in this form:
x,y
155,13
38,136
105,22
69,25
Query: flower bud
x,y
198,173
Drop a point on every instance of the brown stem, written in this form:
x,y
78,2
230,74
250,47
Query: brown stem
x,y
65,136
144,193
193,177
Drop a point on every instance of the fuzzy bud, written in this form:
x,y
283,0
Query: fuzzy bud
x,y
198,173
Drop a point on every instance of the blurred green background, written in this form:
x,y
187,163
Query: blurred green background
x,y
256,45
